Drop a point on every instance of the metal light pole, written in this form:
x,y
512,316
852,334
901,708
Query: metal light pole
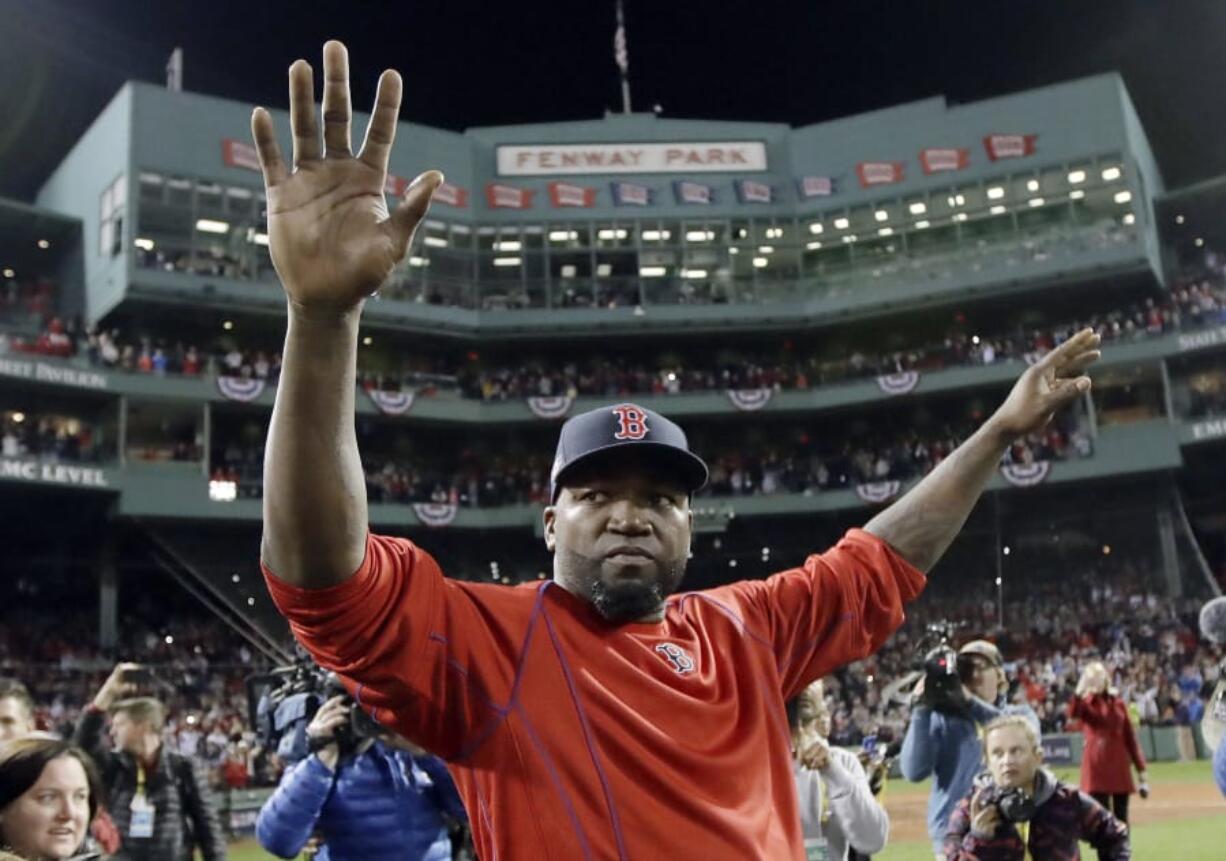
x,y
621,56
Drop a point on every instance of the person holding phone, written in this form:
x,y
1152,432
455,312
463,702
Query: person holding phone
x,y
160,800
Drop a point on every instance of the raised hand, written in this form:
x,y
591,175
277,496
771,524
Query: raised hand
x,y
332,239
1048,385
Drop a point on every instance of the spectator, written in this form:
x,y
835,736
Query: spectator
x,y
49,792
384,799
838,812
1110,742
160,800
946,745
1055,817
16,710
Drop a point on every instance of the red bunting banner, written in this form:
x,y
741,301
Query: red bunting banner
x,y
941,159
239,154
879,172
1009,146
452,195
500,196
563,194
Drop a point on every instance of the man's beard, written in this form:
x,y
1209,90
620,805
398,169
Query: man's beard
x,y
627,599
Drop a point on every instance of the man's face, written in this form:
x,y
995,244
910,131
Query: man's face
x,y
985,680
127,733
814,713
1012,756
15,719
620,535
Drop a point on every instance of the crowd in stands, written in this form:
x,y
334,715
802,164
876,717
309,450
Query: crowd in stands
x,y
49,437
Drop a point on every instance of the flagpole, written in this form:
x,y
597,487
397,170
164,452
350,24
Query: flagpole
x,y
621,56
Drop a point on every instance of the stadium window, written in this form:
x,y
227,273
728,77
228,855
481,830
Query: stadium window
x,y
112,207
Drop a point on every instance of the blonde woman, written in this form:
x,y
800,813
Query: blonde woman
x,y
1110,742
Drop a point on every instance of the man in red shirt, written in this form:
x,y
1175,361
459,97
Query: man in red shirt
x,y
597,715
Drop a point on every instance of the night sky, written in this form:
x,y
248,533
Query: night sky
x,y
470,64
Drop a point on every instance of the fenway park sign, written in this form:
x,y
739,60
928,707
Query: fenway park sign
x,y
52,473
702,157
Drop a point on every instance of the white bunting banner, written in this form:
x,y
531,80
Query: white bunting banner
x,y
900,383
750,400
878,491
392,403
435,514
550,407
1026,474
240,388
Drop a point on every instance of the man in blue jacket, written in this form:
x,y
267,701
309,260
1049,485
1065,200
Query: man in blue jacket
x,y
946,744
383,801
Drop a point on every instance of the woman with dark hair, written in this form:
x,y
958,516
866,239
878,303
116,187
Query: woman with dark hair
x,y
49,793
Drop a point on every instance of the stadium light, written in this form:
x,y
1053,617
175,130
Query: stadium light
x,y
1076,176
1036,201
1123,196
814,245
998,210
766,249
656,235
44,244
841,224
996,192
604,270
734,250
367,341
1106,549
223,491
609,233
507,261
760,262
693,273
957,200
653,271
881,215
699,235
1199,242
918,208
816,227
9,273
1179,219
563,235
1005,550
418,261
885,231
1076,194
228,325
19,417
208,225
440,242
960,216
923,224
143,243
774,233
1129,218
850,238
1032,185
1111,174
258,238
569,270
508,245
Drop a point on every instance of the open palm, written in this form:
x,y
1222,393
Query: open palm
x,y
332,239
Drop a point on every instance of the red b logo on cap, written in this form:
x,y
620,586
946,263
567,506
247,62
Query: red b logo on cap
x,y
632,422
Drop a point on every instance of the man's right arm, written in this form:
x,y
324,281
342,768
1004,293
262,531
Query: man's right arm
x,y
288,818
333,243
920,746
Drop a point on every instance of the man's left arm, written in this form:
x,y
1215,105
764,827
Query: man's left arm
x,y
206,825
922,524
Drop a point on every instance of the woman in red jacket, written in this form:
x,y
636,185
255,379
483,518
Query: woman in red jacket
x,y
1110,743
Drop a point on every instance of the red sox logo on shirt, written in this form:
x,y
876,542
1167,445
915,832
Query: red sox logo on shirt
x,y
632,422
678,657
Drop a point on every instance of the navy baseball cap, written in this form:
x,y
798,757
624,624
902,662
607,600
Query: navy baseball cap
x,y
629,427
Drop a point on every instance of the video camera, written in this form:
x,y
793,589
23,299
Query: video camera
x,y
944,674
284,700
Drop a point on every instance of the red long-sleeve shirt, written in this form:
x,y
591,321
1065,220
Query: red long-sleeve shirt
x,y
1110,744
571,738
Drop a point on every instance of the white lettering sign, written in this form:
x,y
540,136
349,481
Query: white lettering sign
x,y
1196,340
700,157
48,373
1212,429
53,473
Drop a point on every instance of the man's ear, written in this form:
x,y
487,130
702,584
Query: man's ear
x,y
550,516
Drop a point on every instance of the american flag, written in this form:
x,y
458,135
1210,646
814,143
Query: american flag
x,y
452,195
755,192
568,194
692,192
816,186
500,196
938,159
1009,146
879,172
631,194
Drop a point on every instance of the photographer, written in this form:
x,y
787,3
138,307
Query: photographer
x,y
159,799
837,810
943,735
1019,810
379,798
